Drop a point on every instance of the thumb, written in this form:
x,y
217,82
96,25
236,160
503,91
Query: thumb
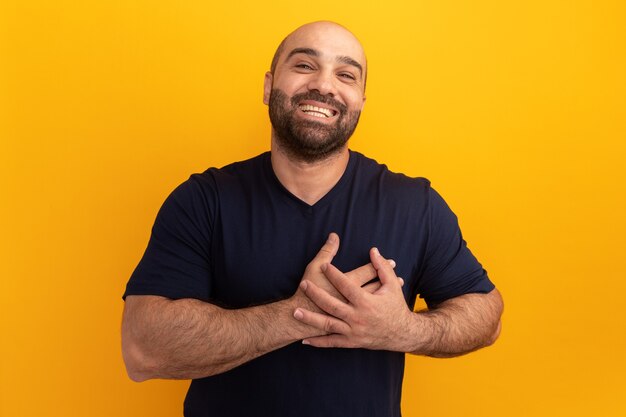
x,y
329,249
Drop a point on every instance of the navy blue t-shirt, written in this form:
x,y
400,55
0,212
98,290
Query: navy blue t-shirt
x,y
235,237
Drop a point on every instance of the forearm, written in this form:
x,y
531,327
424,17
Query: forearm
x,y
457,326
185,339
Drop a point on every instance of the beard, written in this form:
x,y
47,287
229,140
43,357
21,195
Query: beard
x,y
308,140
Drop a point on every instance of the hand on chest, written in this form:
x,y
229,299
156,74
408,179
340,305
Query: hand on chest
x,y
267,263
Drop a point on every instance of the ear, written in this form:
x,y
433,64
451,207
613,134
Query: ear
x,y
267,87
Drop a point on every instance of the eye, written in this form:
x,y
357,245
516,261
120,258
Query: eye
x,y
304,66
347,76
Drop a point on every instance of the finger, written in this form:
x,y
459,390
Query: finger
x,y
364,274
349,289
372,287
328,251
329,303
322,322
385,272
329,341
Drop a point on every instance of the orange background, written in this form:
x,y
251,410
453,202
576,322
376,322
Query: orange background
x,y
516,111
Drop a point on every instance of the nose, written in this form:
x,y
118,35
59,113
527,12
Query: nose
x,y
323,82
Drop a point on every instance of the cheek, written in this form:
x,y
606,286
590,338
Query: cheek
x,y
290,85
355,107
354,101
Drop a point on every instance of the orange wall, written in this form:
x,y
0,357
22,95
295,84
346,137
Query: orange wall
x,y
515,110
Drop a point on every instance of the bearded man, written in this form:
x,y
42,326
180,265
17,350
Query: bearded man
x,y
235,293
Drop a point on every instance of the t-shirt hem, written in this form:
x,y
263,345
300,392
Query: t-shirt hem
x,y
172,293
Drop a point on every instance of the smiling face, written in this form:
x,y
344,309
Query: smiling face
x,y
316,91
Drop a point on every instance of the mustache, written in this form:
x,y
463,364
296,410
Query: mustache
x,y
314,95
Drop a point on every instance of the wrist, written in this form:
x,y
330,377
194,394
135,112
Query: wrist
x,y
418,334
295,328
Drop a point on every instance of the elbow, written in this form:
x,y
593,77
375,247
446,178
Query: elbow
x,y
494,335
135,372
498,305
139,359
139,366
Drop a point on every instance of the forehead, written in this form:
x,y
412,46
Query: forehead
x,y
330,40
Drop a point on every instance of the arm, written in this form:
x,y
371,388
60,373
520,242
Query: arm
x,y
459,325
188,338
382,320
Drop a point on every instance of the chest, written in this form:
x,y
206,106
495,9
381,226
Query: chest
x,y
261,246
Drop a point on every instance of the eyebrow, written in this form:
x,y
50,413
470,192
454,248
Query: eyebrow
x,y
315,53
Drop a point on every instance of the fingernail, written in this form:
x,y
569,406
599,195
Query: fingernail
x,y
298,314
376,252
331,238
305,342
324,267
304,285
392,263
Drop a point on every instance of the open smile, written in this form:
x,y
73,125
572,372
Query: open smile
x,y
316,110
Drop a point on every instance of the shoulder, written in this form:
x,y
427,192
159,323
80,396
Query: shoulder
x,y
240,169
201,191
208,182
379,176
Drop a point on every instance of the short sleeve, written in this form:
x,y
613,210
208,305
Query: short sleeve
x,y
450,269
176,263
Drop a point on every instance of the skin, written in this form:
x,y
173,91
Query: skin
x,y
382,320
187,338
330,75
184,339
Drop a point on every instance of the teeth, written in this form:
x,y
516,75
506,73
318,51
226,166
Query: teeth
x,y
316,111
316,114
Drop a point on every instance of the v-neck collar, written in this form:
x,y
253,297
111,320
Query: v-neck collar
x,y
328,198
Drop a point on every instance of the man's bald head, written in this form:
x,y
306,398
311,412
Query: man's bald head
x,y
315,91
309,30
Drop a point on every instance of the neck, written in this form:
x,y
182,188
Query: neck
x,y
309,181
